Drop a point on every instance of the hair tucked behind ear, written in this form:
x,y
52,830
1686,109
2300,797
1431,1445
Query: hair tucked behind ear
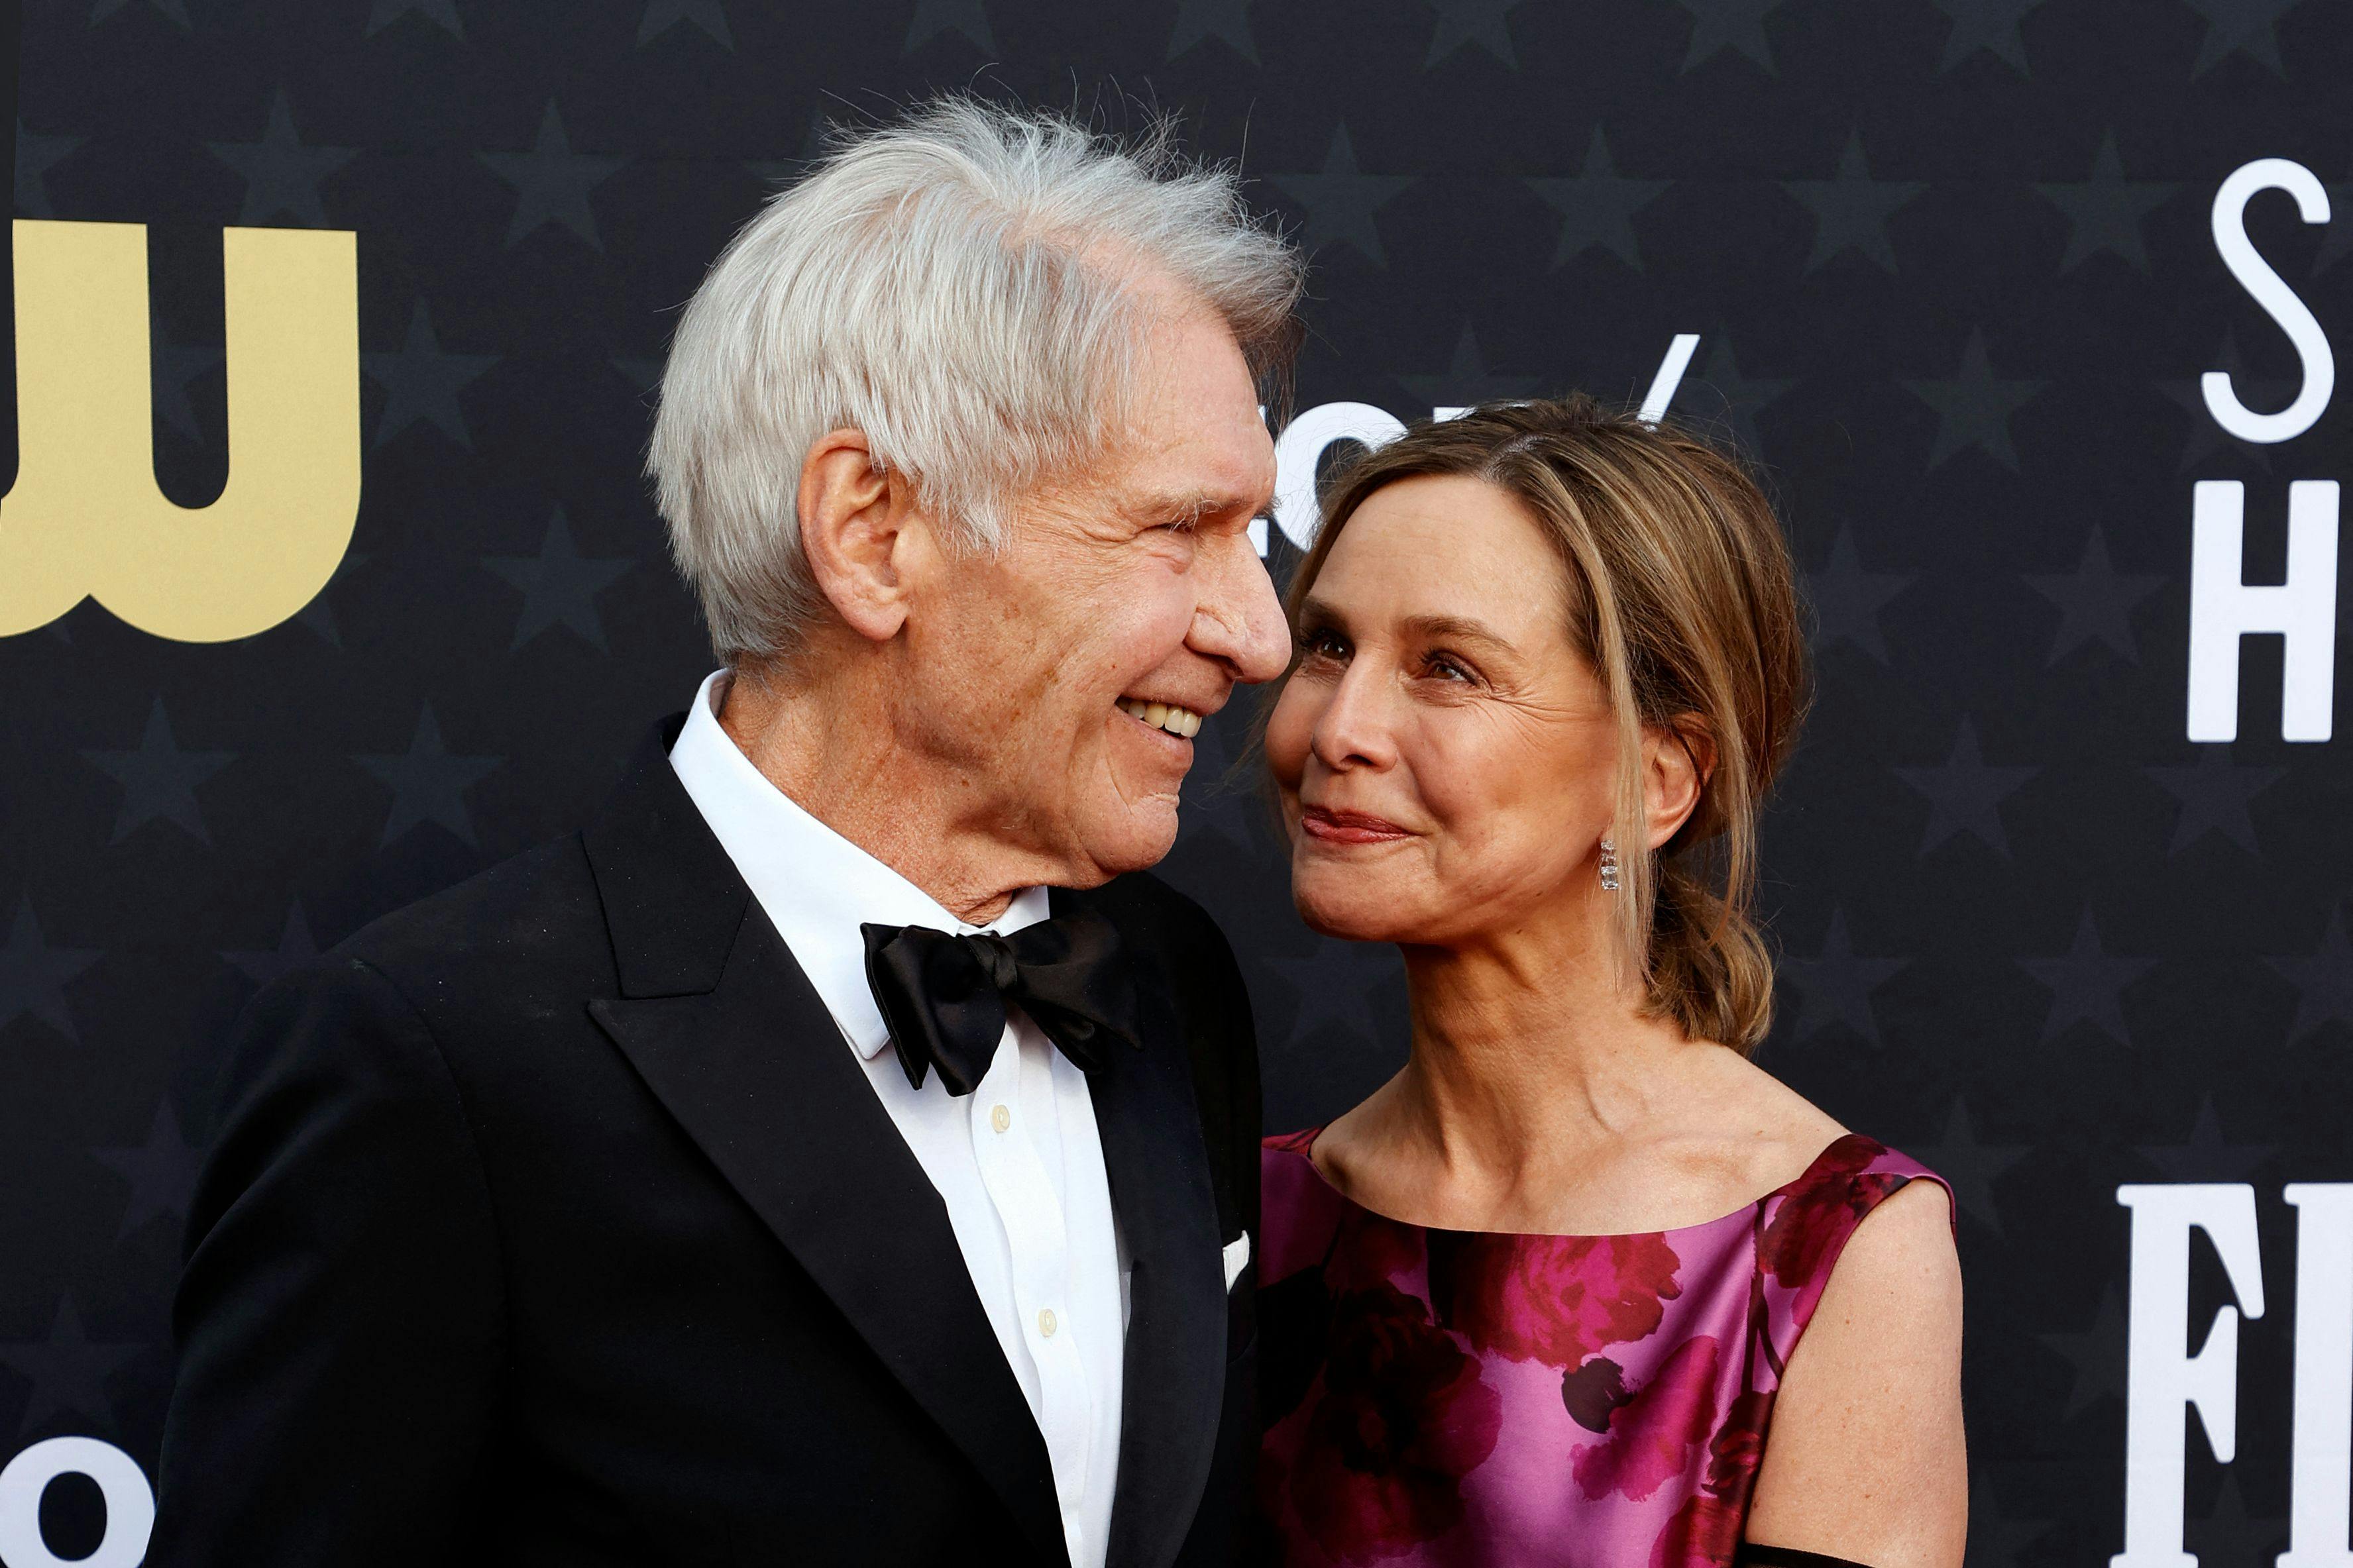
x,y
1683,599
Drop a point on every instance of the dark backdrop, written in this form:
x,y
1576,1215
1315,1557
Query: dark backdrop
x,y
1950,267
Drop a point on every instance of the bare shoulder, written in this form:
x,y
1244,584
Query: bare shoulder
x,y
1867,1457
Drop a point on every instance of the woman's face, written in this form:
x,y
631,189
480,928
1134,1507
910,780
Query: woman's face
x,y
1446,760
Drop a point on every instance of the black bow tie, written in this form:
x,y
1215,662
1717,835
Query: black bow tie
x,y
944,996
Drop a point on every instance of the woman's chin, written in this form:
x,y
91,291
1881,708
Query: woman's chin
x,y
1346,918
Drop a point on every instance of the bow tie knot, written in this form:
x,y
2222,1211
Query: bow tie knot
x,y
944,996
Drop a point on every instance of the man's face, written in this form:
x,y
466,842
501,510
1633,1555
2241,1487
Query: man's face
x,y
1062,678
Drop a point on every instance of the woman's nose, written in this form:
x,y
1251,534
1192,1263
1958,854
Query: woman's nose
x,y
1355,728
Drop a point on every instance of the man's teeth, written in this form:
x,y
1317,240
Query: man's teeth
x,y
1166,716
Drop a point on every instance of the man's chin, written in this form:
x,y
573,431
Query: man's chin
x,y
1140,839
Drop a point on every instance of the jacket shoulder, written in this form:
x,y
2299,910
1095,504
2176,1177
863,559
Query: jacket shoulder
x,y
537,911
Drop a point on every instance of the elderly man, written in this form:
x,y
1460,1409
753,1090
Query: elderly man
x,y
840,1152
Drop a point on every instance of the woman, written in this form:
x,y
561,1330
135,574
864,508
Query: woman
x,y
1525,1303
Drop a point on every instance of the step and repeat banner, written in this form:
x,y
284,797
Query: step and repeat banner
x,y
328,578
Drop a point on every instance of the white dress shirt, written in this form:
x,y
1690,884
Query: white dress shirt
x,y
1018,1163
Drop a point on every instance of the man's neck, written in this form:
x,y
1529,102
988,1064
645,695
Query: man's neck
x,y
829,746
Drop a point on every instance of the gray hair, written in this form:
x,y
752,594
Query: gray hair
x,y
962,288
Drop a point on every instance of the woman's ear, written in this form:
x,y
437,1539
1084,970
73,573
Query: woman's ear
x,y
855,520
1677,759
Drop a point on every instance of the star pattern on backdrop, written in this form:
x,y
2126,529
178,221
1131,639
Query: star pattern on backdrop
x,y
159,780
1989,25
1721,395
707,16
551,181
36,155
2097,1354
1846,599
1852,209
1835,985
2095,601
1466,380
2086,984
1341,200
1480,21
2208,1156
2214,793
1197,20
1971,1167
2206,436
1338,986
559,586
162,1173
440,12
2323,980
34,975
295,947
319,615
1597,206
421,382
172,368
1965,793
1974,406
2229,1533
176,10
2240,27
2105,211
283,173
1719,24
428,783
968,17
68,1372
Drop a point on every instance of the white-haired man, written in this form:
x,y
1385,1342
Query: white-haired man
x,y
840,1152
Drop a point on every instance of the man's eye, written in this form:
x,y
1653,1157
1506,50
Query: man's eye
x,y
1446,669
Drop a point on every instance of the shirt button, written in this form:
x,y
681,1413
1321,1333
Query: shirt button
x,y
1045,1322
1001,1118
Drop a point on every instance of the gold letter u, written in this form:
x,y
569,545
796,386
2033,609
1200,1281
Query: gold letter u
x,y
86,517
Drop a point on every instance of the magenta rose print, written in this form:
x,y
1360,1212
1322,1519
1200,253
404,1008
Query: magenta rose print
x,y
1556,1300
1814,1221
1652,1434
1403,1416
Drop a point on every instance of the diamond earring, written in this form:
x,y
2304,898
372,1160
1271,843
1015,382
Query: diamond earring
x,y
1609,865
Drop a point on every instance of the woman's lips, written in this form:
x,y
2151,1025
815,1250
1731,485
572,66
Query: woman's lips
x,y
1348,826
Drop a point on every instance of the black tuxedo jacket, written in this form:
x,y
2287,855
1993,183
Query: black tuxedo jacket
x,y
554,1222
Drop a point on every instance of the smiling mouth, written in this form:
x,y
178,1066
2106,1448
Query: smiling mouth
x,y
1181,722
1349,826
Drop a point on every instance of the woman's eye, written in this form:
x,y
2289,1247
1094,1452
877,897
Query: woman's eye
x,y
1323,645
1447,670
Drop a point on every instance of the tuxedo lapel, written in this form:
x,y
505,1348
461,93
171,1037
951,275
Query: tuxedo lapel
x,y
1173,1386
726,1031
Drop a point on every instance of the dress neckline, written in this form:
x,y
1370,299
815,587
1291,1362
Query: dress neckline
x,y
1304,1146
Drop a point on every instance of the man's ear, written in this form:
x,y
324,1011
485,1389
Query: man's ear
x,y
1677,758
855,522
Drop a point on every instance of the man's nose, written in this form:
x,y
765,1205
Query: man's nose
x,y
1238,621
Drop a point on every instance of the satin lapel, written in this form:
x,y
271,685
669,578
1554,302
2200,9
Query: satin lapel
x,y
1173,1383
754,1067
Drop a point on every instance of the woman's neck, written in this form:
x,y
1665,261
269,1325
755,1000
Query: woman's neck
x,y
1532,1064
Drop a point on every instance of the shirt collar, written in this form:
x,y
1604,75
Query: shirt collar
x,y
816,887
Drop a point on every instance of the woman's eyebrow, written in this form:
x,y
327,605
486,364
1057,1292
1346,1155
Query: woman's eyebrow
x,y
1456,628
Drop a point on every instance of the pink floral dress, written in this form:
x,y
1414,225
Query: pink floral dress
x,y
1470,1398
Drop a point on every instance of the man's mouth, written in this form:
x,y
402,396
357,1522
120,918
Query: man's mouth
x,y
1181,722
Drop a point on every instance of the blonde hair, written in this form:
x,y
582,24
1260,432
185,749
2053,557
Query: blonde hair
x,y
1683,599
963,287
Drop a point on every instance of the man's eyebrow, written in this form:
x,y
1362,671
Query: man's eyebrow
x,y
1191,506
